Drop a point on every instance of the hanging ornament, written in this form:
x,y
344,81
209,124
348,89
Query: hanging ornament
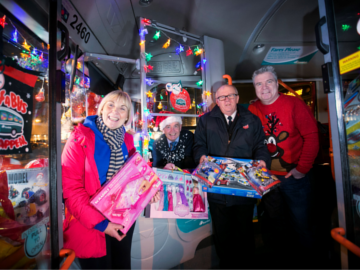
x,y
199,83
167,44
148,56
146,21
26,46
189,52
149,94
142,42
160,106
157,35
179,49
2,21
40,97
181,101
15,36
174,87
149,81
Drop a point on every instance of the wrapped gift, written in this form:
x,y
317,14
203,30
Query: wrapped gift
x,y
180,197
127,193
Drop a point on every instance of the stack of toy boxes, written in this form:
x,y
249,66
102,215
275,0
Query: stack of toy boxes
x,y
181,197
127,193
241,177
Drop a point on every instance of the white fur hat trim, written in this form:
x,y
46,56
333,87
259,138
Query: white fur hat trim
x,y
169,120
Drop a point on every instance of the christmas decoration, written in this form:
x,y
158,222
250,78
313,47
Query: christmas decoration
x,y
167,44
189,52
148,56
199,83
181,101
2,21
157,35
15,36
160,106
40,97
142,42
174,87
149,94
149,81
26,46
208,93
179,49
146,21
143,32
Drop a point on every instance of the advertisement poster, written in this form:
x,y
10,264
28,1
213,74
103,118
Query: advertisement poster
x,y
289,55
16,105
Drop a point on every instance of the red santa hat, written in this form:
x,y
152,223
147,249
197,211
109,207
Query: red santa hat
x,y
163,121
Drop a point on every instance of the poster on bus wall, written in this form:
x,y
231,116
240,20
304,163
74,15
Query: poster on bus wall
x,y
16,106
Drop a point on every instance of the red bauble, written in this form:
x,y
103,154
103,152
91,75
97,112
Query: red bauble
x,y
40,97
180,102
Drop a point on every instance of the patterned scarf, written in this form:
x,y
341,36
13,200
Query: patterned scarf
x,y
114,138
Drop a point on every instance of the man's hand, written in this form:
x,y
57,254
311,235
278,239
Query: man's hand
x,y
295,173
169,166
261,164
156,198
112,230
203,157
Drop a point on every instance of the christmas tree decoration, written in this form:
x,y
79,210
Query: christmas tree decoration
x,y
179,49
2,21
160,106
146,21
149,81
40,97
189,52
157,35
143,32
167,44
199,83
15,36
149,94
148,56
26,46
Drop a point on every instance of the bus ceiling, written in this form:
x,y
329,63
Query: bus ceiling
x,y
248,29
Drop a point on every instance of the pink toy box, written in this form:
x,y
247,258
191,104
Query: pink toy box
x,y
180,197
126,194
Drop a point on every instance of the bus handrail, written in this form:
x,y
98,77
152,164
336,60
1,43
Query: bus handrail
x,y
225,76
70,254
337,234
289,88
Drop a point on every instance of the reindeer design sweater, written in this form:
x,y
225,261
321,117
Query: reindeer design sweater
x,y
291,133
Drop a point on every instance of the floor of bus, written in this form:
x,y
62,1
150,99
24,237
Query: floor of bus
x,y
323,219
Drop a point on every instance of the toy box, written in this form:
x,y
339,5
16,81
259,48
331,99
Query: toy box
x,y
28,193
127,193
207,173
180,197
241,177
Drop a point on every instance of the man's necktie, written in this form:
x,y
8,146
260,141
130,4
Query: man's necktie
x,y
172,146
230,120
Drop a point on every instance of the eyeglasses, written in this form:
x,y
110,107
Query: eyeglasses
x,y
231,96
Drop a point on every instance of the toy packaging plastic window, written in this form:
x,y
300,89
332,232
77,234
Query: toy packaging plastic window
x,y
122,199
180,197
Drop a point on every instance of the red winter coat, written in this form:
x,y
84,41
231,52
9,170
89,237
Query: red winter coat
x,y
80,179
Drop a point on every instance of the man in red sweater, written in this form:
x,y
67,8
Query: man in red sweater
x,y
292,140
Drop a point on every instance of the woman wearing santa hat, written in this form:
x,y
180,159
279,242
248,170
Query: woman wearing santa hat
x,y
174,147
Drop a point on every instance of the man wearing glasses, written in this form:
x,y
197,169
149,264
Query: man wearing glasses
x,y
292,139
230,130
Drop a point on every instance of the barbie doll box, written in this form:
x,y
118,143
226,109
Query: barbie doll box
x,y
180,197
122,199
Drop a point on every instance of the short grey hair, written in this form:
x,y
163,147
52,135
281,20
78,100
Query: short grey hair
x,y
263,70
231,86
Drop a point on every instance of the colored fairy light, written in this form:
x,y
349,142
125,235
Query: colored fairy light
x,y
34,51
179,49
143,32
196,50
48,46
198,65
345,27
199,83
149,81
26,46
157,35
198,106
167,44
41,57
150,67
189,52
2,21
146,112
358,48
142,42
204,61
148,56
160,106
15,36
149,94
208,93
199,51
161,97
146,21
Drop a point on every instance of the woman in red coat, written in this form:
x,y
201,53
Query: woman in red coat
x,y
94,151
